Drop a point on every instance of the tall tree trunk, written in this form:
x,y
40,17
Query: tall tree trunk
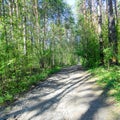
x,y
1,10
99,2
24,30
84,9
10,5
16,8
112,32
36,14
44,38
93,11
116,11
90,9
6,41
53,46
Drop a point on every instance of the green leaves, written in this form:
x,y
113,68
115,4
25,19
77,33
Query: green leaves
x,y
8,97
35,36
88,46
1,100
109,79
14,86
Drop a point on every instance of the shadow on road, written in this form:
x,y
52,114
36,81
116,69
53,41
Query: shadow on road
x,y
66,85
95,106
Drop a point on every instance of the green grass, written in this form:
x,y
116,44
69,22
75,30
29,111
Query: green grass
x,y
13,87
110,79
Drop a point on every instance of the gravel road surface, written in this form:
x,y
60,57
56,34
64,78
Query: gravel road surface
x,y
71,94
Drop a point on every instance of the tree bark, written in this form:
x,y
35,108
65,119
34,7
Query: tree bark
x,y
99,2
24,30
36,14
116,11
112,33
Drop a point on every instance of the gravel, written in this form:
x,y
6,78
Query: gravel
x,y
71,94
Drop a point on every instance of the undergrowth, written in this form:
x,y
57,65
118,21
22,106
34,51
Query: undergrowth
x,y
12,88
110,79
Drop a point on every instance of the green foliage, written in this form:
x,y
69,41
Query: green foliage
x,y
108,54
109,79
14,87
33,41
88,46
1,100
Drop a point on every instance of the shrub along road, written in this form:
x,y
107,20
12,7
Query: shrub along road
x,y
71,94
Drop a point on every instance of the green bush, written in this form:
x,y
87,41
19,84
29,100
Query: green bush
x,y
14,87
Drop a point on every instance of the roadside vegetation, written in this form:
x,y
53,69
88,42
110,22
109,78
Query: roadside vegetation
x,y
36,39
108,79
99,42
13,89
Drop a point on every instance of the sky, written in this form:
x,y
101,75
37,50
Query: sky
x,y
70,2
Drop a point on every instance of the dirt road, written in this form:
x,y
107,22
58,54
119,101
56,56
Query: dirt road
x,y
71,94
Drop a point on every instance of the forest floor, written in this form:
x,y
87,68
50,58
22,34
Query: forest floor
x,y
71,94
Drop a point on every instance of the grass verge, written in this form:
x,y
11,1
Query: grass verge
x,y
110,78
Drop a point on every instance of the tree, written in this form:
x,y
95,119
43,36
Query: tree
x,y
99,2
30,33
112,33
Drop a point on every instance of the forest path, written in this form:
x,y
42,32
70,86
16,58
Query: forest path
x,y
71,94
